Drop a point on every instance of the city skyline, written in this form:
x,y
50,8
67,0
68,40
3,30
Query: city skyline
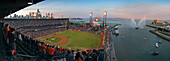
x,y
152,9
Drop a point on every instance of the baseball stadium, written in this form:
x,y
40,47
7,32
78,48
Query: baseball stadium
x,y
84,30
60,34
51,39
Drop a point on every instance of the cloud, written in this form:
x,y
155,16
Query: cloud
x,y
139,10
159,10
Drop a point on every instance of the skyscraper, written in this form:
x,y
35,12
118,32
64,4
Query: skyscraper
x,y
38,14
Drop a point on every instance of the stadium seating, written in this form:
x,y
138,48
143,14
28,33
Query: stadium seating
x,y
28,48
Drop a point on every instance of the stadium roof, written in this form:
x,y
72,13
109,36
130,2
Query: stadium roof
x,y
10,6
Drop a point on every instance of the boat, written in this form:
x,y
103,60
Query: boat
x,y
116,28
155,53
123,37
136,27
145,38
159,41
116,31
156,45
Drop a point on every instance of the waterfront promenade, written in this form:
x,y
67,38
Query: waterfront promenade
x,y
110,46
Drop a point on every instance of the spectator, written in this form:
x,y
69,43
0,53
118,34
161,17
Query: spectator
x,y
20,37
94,55
101,55
43,49
51,51
78,57
12,40
69,56
85,56
55,53
7,29
6,33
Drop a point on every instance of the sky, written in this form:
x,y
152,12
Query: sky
x,y
151,9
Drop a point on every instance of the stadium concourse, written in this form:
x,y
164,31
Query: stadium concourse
x,y
18,42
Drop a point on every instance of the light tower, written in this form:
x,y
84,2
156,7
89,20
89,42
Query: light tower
x,y
105,16
91,16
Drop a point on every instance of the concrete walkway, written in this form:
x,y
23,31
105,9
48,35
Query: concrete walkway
x,y
111,56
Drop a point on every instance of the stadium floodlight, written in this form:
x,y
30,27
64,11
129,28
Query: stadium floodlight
x,y
105,13
91,14
105,16
30,2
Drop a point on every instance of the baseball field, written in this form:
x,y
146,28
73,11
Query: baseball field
x,y
73,39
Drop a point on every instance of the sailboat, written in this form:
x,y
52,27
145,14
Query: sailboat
x,y
156,45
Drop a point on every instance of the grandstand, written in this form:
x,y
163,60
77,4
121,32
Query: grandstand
x,y
28,48
35,27
31,29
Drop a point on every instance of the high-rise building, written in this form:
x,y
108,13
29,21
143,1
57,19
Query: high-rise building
x,y
30,15
15,16
38,14
33,15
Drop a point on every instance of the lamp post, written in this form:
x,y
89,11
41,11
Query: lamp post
x,y
105,16
91,16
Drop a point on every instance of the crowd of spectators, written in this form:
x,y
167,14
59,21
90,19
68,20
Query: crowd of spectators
x,y
26,23
40,33
86,29
8,35
36,28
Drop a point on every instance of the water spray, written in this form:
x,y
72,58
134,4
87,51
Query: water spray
x,y
143,19
133,20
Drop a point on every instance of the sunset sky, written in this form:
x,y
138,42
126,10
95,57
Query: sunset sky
x,y
156,9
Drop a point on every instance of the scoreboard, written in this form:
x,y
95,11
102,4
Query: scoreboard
x,y
97,23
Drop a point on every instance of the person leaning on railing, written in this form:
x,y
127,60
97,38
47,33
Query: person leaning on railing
x,y
11,36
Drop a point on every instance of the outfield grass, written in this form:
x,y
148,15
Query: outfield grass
x,y
56,39
79,40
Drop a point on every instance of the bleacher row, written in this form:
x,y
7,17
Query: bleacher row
x,y
26,23
86,29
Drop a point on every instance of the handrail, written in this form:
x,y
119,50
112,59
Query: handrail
x,y
26,55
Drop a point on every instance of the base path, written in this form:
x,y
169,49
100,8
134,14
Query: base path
x,y
63,41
